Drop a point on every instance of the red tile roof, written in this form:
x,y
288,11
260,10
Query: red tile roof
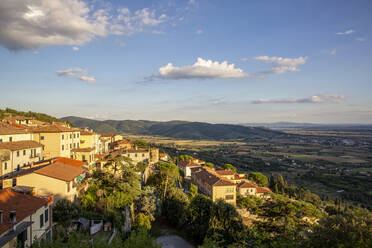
x,y
88,149
6,129
19,145
54,128
70,161
60,171
225,172
188,164
210,178
23,204
261,190
247,185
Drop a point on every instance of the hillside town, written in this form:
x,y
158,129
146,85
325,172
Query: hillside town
x,y
42,163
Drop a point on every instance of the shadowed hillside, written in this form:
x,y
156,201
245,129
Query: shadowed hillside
x,y
177,129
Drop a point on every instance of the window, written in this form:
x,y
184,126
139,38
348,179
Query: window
x,y
5,166
24,152
70,136
1,140
70,146
143,154
63,136
74,135
229,197
41,137
78,135
10,139
83,158
46,213
41,220
74,145
63,147
18,167
68,187
17,153
229,190
135,154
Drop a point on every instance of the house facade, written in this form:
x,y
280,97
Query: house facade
x,y
9,133
18,154
58,140
24,219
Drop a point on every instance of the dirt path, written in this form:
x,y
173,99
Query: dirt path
x,y
173,241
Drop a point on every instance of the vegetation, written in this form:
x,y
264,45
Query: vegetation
x,y
38,116
259,178
229,167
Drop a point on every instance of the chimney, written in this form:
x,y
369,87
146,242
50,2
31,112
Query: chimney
x,y
12,216
1,216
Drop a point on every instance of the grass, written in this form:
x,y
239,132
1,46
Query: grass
x,y
102,237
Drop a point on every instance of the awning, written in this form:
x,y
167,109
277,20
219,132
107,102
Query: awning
x,y
12,234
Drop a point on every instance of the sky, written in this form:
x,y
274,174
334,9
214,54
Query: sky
x,y
224,61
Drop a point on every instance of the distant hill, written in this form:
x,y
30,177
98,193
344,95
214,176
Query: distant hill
x,y
38,116
310,126
177,129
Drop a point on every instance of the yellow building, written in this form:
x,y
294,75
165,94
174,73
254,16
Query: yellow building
x,y
90,139
232,176
154,155
9,133
24,219
62,180
122,144
84,155
213,186
137,155
17,154
58,140
251,188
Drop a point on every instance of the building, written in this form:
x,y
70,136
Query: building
x,y
233,176
24,219
154,155
251,188
10,133
20,120
60,178
84,155
214,186
137,155
58,140
122,144
90,139
17,154
164,157
186,167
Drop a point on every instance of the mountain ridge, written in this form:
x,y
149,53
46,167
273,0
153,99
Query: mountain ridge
x,y
176,129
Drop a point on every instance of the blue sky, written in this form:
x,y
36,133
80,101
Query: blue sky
x,y
202,60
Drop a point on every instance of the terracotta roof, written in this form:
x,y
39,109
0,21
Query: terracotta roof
x,y
19,145
163,155
23,204
136,150
60,171
107,135
88,149
18,118
188,164
211,178
6,129
122,142
247,185
225,172
238,177
261,190
70,161
52,129
100,157
86,132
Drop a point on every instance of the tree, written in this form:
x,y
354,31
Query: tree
x,y
210,165
142,221
140,238
174,206
148,203
169,172
259,178
229,167
198,217
193,191
64,211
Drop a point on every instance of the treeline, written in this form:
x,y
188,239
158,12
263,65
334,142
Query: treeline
x,y
38,116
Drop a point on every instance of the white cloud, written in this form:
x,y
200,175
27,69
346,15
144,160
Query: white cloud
x,y
75,48
199,31
128,23
331,52
201,69
349,31
71,71
360,39
87,79
320,98
28,25
282,65
37,23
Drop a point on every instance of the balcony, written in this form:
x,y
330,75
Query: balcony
x,y
35,155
